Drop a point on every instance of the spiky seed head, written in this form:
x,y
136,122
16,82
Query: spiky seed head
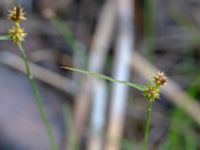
x,y
17,14
151,92
159,79
17,34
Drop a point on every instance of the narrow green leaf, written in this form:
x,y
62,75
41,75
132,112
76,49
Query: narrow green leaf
x,y
101,76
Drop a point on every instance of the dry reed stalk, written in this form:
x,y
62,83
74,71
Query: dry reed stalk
x,y
123,52
99,47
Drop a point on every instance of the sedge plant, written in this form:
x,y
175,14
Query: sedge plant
x,y
17,35
151,92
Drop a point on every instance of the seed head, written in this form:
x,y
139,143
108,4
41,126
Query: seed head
x,y
16,14
159,79
17,34
151,92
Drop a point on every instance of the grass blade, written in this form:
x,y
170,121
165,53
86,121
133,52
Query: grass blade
x,y
101,76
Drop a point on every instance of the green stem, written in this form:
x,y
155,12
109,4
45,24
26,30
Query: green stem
x,y
101,76
149,108
39,102
4,37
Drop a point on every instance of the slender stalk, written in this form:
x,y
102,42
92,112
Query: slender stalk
x,y
146,134
4,37
101,76
39,102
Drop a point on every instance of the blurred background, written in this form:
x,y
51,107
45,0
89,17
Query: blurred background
x,y
128,40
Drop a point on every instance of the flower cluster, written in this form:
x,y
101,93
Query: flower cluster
x,y
16,33
152,91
